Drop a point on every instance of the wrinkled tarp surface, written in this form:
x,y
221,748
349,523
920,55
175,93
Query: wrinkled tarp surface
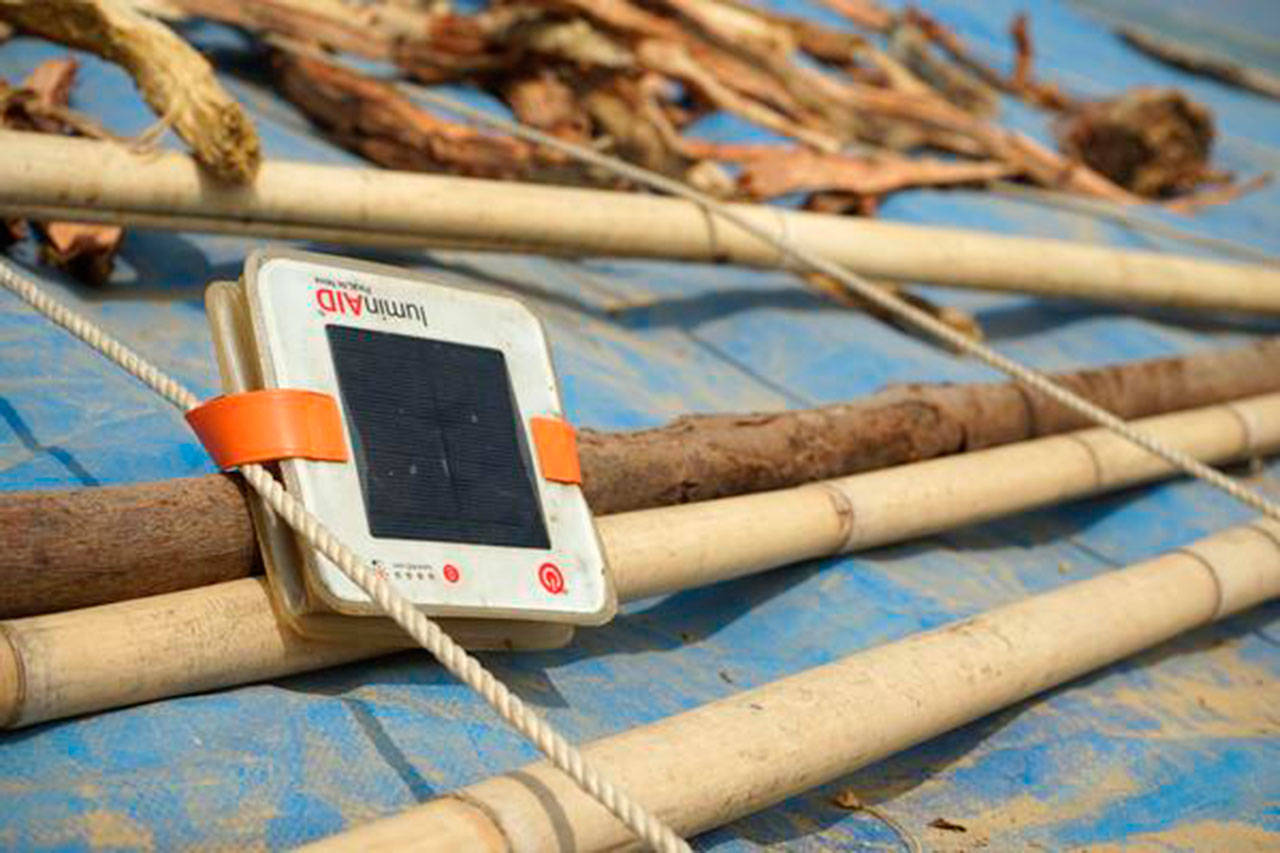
x,y
1177,748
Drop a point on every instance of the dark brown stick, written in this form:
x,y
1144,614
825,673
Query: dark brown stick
x,y
75,548
709,456
78,547
1202,62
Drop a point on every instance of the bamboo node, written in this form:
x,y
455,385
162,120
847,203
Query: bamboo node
x,y
13,682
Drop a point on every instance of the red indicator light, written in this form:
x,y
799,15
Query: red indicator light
x,y
451,573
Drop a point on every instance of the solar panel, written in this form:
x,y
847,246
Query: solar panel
x,y
434,430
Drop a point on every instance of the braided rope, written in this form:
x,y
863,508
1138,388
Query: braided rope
x,y
865,289
465,667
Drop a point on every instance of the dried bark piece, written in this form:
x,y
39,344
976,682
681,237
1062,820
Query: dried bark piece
x,y
576,42
947,124
39,103
826,44
175,80
951,80
1154,142
453,47
51,81
673,60
1021,83
621,16
368,31
85,250
541,99
637,132
796,170
371,118
863,13
843,204
1223,194
744,81
737,26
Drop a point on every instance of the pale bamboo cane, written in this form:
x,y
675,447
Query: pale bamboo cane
x,y
387,208
211,637
716,763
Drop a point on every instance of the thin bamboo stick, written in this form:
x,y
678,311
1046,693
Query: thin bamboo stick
x,y
119,654
763,745
68,548
352,205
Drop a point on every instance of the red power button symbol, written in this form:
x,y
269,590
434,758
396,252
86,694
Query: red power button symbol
x,y
551,578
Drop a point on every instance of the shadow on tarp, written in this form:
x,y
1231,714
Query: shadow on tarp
x,y
1031,317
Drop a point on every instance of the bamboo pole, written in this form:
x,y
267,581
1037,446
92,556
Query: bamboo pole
x,y
119,654
62,549
354,205
761,746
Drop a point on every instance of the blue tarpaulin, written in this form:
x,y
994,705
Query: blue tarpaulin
x,y
1176,748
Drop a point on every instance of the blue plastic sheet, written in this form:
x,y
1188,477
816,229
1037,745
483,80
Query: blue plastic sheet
x,y
1175,748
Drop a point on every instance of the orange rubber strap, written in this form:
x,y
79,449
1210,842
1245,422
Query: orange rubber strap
x,y
274,423
557,446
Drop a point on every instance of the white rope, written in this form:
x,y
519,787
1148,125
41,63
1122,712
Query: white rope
x,y
878,296
564,755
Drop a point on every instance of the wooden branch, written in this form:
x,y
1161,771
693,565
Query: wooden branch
x,y
369,207
76,548
174,79
953,81
1223,193
1021,83
216,636
1203,62
797,170
701,457
863,13
800,730
368,31
90,546
373,119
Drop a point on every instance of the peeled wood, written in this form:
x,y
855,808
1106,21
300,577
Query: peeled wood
x,y
761,746
407,209
77,548
119,654
172,76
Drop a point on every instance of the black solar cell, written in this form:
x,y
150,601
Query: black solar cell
x,y
434,429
